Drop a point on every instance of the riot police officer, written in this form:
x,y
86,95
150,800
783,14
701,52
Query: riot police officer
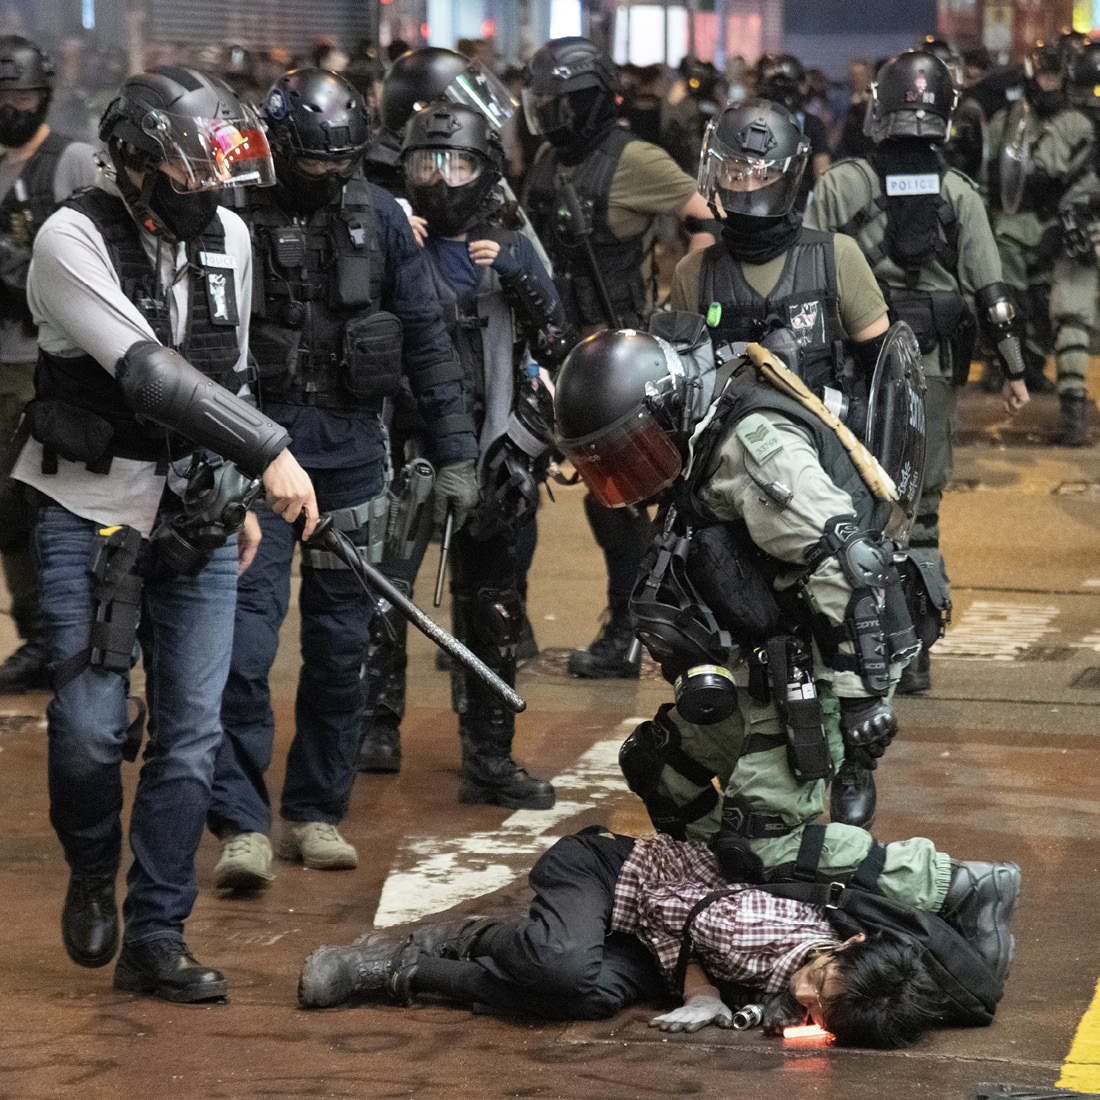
x,y
767,271
493,290
343,309
140,289
40,169
1042,152
755,597
592,194
924,230
1074,288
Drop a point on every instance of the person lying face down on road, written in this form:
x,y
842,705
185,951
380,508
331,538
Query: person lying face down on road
x,y
606,928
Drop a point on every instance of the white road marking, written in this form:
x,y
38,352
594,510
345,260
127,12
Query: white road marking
x,y
432,873
988,630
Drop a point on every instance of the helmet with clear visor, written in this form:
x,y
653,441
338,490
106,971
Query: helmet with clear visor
x,y
618,404
752,161
557,70
452,159
420,77
192,127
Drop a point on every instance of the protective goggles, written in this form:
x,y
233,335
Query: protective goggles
x,y
454,166
207,154
629,461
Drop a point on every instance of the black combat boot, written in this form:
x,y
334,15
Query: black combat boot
x,y
384,688
852,795
89,922
378,971
489,774
1073,419
614,655
25,669
916,677
979,904
164,968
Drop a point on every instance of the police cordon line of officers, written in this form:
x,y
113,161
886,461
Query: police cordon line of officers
x,y
240,336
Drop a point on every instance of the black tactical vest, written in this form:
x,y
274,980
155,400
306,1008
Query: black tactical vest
x,y
210,343
620,260
743,395
804,300
21,218
310,277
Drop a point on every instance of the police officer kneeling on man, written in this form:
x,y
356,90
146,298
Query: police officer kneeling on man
x,y
140,291
769,271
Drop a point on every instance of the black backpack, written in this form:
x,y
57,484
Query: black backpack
x,y
969,987
970,990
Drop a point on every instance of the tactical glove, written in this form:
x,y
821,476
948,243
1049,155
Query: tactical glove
x,y
868,725
456,486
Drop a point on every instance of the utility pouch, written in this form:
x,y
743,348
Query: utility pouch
x,y
351,281
116,590
275,349
732,584
372,356
795,697
74,433
955,324
914,307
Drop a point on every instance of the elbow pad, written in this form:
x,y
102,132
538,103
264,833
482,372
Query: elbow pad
x,y
542,314
997,315
161,386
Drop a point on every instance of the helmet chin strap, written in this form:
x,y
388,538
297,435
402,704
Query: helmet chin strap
x,y
139,201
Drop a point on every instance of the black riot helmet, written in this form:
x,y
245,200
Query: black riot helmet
x,y
192,138
420,77
23,68
625,404
752,160
569,89
912,95
452,159
319,129
1083,78
781,78
1044,58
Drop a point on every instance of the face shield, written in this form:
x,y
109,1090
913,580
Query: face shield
x,y
546,113
627,462
455,167
482,90
208,154
746,183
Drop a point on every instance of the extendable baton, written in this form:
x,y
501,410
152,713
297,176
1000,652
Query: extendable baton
x,y
444,551
326,537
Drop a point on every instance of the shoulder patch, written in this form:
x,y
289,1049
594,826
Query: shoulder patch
x,y
759,437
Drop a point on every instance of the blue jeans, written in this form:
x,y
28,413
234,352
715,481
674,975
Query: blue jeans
x,y
185,633
336,615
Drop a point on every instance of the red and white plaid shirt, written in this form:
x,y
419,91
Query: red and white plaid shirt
x,y
752,937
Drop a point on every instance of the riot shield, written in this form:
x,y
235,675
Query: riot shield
x,y
1015,161
895,416
967,148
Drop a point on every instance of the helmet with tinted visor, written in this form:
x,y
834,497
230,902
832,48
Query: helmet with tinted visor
x,y
752,160
190,125
558,69
420,77
617,405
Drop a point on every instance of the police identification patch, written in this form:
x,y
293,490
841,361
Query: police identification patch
x,y
221,297
919,183
276,105
759,437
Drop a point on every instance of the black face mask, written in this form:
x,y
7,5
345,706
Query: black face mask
x,y
18,127
450,211
1045,103
184,216
756,240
